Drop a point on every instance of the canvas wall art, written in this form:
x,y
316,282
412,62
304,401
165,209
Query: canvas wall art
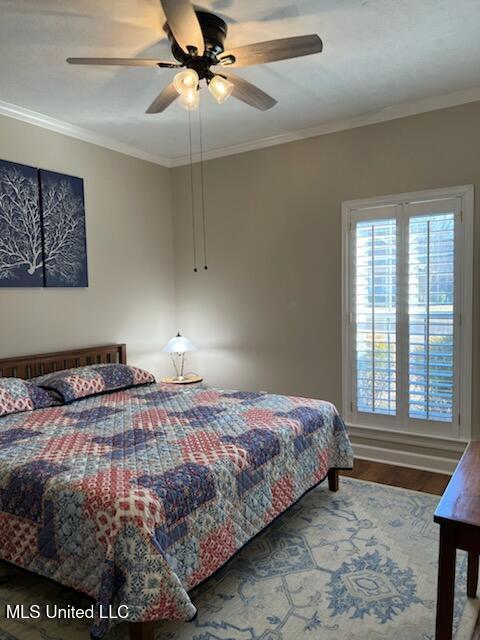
x,y
42,228
63,215
21,256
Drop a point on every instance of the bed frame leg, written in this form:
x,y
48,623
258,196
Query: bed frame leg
x,y
5,572
333,479
142,630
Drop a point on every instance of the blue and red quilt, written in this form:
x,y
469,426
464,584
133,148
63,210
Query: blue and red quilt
x,y
134,497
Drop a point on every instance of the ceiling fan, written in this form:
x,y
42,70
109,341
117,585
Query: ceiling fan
x,y
197,42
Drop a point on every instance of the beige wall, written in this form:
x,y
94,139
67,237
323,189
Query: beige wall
x,y
130,297
266,315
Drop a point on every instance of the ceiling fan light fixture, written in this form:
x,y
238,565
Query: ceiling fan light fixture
x,y
190,100
186,81
197,42
220,88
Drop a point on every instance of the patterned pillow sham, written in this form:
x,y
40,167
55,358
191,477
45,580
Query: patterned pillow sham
x,y
18,395
82,382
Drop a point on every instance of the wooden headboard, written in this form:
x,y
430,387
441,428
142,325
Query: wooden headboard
x,y
31,366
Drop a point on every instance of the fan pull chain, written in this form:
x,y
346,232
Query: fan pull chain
x,y
202,180
192,195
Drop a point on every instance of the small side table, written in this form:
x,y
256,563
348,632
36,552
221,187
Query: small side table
x,y
458,514
188,379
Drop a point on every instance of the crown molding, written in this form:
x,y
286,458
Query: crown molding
x,y
373,117
67,129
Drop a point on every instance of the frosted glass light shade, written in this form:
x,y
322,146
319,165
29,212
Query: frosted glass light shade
x,y
190,100
220,88
186,80
179,344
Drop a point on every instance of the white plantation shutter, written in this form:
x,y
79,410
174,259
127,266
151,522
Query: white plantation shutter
x,y
375,314
408,356
431,315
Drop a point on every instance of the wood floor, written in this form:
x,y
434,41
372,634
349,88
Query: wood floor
x,y
404,477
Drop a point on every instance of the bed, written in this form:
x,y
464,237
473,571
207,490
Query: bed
x,y
134,497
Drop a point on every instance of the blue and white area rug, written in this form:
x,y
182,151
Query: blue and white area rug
x,y
358,564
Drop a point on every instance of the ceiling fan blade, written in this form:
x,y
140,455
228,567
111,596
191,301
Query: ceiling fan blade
x,y
125,62
184,24
164,100
272,50
249,93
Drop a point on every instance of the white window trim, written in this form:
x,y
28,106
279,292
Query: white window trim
x,y
461,428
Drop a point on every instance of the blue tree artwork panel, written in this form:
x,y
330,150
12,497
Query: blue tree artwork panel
x,y
42,228
63,215
21,255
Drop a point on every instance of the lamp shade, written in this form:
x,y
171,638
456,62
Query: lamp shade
x,y
179,344
186,80
220,88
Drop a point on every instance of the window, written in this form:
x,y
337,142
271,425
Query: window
x,y
407,312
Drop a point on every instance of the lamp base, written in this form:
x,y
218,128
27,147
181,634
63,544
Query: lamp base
x,y
188,379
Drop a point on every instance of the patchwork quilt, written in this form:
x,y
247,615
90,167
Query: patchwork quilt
x,y
134,497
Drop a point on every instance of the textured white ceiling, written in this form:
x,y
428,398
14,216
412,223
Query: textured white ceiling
x,y
377,53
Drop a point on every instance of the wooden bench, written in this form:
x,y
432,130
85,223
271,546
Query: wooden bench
x,y
458,514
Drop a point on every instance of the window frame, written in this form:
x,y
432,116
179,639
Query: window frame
x,y
400,206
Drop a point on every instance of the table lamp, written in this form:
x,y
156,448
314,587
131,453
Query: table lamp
x,y
178,346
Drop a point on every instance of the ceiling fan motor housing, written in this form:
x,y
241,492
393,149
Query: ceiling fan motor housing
x,y
214,31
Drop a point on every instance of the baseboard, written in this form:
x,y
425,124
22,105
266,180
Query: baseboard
x,y
430,453
437,464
